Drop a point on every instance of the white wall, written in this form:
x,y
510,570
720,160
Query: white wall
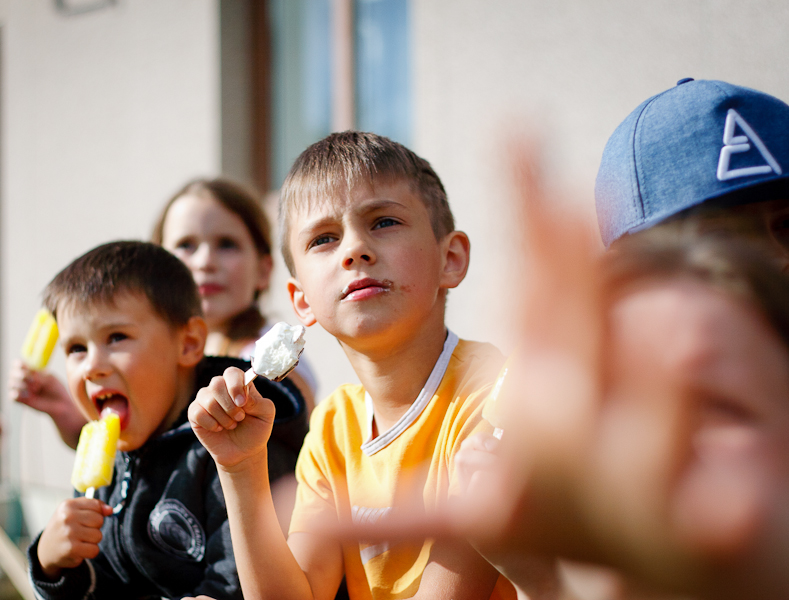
x,y
104,115
572,70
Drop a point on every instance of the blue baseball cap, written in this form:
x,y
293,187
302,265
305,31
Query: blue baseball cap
x,y
701,141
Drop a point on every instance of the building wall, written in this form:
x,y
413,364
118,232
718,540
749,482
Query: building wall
x,y
569,70
104,115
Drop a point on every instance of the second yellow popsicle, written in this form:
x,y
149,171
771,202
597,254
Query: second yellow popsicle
x,y
95,459
40,340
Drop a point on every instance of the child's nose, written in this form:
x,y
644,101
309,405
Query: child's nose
x,y
203,257
95,365
357,252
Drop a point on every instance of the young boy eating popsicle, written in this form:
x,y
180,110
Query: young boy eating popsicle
x,y
132,329
370,241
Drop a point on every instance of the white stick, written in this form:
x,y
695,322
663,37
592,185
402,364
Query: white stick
x,y
249,376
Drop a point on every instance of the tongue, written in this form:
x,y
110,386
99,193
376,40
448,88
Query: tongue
x,y
117,405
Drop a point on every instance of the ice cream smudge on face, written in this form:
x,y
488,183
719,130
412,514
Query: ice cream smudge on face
x,y
278,351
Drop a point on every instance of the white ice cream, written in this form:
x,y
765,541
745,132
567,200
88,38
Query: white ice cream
x,y
277,352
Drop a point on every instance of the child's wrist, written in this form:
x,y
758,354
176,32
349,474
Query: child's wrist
x,y
255,465
50,571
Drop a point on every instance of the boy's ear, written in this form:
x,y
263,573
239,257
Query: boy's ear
x,y
300,303
456,250
193,336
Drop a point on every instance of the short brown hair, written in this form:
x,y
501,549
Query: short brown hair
x,y
99,275
342,160
735,267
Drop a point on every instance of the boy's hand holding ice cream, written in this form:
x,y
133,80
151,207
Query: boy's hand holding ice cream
x,y
230,417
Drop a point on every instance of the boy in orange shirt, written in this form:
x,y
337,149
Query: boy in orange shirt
x,y
370,241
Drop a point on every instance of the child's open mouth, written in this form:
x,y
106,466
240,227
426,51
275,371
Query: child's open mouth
x,y
113,402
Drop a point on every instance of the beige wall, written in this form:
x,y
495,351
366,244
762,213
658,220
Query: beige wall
x,y
572,69
105,114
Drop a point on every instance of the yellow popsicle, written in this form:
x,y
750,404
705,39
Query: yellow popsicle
x,y
492,411
40,341
95,459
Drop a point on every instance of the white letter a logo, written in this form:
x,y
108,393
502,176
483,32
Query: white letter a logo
x,y
734,144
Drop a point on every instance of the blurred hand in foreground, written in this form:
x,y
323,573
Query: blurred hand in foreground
x,y
615,450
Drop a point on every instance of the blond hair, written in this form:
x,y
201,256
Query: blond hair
x,y
343,160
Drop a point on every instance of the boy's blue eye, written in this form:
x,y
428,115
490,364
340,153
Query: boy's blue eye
x,y
320,240
117,337
385,222
75,348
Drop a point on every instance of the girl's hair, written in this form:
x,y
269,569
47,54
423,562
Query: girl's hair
x,y
244,203
733,266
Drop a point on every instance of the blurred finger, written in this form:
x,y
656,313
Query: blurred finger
x,y
89,535
476,454
403,524
85,549
89,511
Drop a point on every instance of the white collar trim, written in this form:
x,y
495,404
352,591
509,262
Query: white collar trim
x,y
371,446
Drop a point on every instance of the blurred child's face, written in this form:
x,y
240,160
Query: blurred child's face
x,y
726,369
218,249
765,223
369,265
123,357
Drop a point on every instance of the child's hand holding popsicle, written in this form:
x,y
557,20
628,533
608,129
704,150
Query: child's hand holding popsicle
x,y
31,385
27,383
74,531
72,534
